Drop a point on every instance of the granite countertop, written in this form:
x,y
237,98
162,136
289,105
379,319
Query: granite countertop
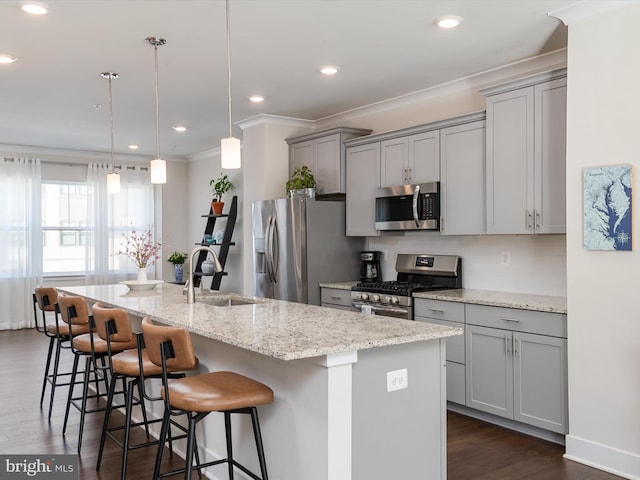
x,y
283,330
540,303
340,285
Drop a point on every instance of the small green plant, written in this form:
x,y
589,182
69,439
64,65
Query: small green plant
x,y
177,258
221,185
301,178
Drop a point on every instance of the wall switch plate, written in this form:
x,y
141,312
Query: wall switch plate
x,y
505,258
397,380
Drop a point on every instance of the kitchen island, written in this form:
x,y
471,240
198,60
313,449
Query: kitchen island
x,y
333,417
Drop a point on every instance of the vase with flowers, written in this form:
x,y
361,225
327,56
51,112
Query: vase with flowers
x,y
142,249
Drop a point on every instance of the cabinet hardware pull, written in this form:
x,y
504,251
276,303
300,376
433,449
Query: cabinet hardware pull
x,y
508,319
537,220
529,220
515,345
506,343
335,297
437,310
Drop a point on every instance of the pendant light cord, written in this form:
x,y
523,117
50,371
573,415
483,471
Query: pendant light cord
x,y
155,46
111,122
229,66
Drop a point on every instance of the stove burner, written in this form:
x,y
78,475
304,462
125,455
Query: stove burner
x,y
396,287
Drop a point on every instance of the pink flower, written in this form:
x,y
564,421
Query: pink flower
x,y
142,249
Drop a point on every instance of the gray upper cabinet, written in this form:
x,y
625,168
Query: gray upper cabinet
x,y
324,153
410,159
363,177
525,165
462,171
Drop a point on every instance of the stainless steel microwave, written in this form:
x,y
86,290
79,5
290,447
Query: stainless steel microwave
x,y
408,207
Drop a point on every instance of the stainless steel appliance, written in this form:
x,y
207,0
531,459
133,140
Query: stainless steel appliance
x,y
298,244
416,273
370,267
408,207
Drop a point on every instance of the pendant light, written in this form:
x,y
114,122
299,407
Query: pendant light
x,y
113,178
158,166
229,147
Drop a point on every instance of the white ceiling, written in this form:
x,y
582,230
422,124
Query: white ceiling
x,y
384,48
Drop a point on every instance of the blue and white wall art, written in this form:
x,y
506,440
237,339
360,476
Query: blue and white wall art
x,y
607,207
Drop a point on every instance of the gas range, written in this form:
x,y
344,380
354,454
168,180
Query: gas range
x,y
416,273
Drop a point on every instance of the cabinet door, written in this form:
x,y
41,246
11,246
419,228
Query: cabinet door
x,y
303,154
363,177
489,370
510,173
394,159
550,156
463,184
329,172
540,381
424,157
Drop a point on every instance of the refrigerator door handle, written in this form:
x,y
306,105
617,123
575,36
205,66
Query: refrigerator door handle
x,y
268,250
275,248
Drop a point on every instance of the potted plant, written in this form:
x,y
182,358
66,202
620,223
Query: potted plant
x,y
178,259
220,185
301,184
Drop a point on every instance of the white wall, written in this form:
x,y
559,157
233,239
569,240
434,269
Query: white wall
x,y
602,287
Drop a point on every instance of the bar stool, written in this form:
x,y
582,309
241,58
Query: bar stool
x,y
74,311
197,396
114,326
44,299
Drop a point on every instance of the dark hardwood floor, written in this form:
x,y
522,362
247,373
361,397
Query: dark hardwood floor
x,y
476,450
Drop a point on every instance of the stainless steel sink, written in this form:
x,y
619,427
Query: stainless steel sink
x,y
225,302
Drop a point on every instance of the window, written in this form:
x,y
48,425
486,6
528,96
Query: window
x,y
64,224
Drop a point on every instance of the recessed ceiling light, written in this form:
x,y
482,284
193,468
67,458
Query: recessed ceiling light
x,y
448,21
133,146
7,58
179,128
34,8
329,70
256,98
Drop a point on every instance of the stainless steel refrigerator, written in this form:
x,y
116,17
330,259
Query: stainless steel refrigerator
x,y
298,244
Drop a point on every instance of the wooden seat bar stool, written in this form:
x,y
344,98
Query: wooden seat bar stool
x,y
114,326
44,300
197,396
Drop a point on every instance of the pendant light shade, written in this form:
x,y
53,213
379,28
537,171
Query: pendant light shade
x,y
229,147
158,166
113,178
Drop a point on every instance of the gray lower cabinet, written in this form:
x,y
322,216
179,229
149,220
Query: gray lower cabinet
x,y
450,314
335,298
516,365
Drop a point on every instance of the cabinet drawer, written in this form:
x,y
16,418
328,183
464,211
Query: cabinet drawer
x,y
452,311
529,321
335,296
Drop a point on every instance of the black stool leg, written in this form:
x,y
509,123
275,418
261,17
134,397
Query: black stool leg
x,y
85,392
54,383
105,423
127,426
46,371
259,446
227,432
166,419
74,372
190,440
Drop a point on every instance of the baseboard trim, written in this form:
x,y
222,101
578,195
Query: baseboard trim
x,y
506,423
603,457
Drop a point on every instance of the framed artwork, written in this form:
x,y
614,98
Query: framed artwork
x,y
607,208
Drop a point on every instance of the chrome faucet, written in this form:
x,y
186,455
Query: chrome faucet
x,y
217,267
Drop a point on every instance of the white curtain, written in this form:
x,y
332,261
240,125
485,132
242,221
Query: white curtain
x,y
20,240
112,215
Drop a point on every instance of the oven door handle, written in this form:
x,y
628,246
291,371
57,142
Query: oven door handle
x,y
416,196
375,308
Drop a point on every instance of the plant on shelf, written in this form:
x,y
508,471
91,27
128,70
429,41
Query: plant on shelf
x,y
301,179
221,186
177,259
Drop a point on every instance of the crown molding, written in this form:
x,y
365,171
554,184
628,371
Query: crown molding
x,y
585,9
81,154
266,119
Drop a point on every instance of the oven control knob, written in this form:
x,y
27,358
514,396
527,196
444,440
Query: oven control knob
x,y
394,300
376,298
387,299
364,296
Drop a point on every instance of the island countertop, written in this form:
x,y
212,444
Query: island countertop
x,y
278,329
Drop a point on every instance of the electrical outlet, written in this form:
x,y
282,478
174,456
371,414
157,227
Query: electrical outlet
x,y
505,258
397,380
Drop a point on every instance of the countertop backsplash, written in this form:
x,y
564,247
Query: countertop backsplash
x,y
537,264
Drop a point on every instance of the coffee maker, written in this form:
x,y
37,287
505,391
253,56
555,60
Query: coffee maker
x,y
370,267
